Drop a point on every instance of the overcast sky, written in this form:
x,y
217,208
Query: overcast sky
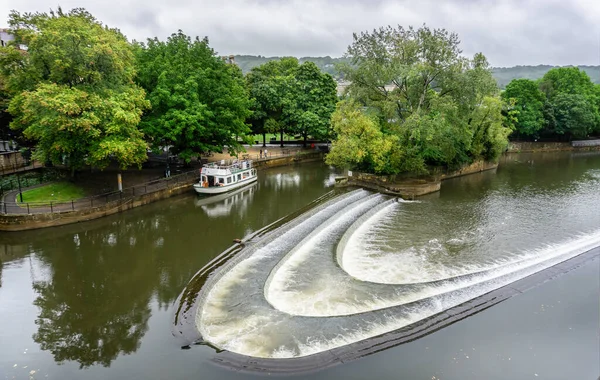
x,y
508,32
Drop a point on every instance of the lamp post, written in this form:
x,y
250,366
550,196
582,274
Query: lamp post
x,y
19,182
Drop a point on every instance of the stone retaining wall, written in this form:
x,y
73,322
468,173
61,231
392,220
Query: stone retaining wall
x,y
411,188
531,146
10,160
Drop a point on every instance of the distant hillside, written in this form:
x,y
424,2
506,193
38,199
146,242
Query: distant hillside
x,y
502,74
326,64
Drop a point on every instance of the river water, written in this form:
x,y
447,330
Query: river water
x,y
97,300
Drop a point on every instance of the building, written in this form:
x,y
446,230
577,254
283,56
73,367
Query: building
x,y
5,37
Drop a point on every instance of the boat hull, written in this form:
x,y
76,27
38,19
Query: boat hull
x,y
223,189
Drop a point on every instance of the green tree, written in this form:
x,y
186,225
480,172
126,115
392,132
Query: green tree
x,y
567,80
272,92
199,103
572,109
361,143
73,90
529,104
436,102
573,116
313,101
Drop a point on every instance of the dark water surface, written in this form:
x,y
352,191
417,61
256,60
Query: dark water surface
x,y
97,300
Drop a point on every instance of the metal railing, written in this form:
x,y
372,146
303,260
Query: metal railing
x,y
114,198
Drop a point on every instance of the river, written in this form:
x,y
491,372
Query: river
x,y
97,300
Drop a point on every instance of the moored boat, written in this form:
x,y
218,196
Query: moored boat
x,y
221,177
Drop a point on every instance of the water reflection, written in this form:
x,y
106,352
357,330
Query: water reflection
x,y
95,305
223,205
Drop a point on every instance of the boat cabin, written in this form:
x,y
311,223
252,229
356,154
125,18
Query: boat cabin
x,y
225,173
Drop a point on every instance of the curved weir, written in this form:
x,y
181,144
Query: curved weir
x,y
360,272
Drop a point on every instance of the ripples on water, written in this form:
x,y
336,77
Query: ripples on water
x,y
364,264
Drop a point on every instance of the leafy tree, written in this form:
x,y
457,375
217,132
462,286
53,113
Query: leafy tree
x,y
199,103
573,106
72,91
360,141
293,98
566,80
438,104
574,116
271,89
529,104
313,102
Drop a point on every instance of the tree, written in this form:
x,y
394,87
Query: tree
x,y
360,142
566,80
529,104
436,102
313,101
199,103
72,91
572,109
271,90
574,116
293,98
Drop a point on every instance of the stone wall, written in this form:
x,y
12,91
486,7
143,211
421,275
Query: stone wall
x,y
411,188
9,160
523,147
289,160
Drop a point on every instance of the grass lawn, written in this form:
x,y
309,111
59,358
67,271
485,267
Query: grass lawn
x,y
54,192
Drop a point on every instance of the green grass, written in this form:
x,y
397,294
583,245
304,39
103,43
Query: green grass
x,y
54,192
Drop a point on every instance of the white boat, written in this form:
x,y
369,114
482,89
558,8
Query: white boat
x,y
221,177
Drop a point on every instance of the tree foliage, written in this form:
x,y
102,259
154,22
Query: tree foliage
x,y
440,107
564,104
199,103
72,91
529,104
293,98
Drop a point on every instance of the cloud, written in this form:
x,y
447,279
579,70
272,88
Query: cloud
x,y
508,32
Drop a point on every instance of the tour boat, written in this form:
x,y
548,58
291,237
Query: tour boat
x,y
221,177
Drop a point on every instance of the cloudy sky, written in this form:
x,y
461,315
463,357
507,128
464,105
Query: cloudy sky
x,y
508,32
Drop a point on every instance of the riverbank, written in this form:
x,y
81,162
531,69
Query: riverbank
x,y
18,218
410,188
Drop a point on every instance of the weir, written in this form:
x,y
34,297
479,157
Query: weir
x,y
324,282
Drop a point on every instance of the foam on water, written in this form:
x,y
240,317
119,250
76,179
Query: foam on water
x,y
327,279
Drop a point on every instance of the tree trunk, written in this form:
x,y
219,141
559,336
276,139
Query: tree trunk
x,y
264,140
305,137
281,137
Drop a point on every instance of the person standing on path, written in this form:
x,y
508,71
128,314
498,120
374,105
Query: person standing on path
x,y
266,153
260,153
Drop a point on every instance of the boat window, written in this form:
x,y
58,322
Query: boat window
x,y
228,179
221,181
239,177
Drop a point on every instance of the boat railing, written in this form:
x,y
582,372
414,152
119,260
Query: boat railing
x,y
233,165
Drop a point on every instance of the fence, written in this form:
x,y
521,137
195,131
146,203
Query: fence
x,y
114,198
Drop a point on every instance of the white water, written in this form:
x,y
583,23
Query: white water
x,y
347,271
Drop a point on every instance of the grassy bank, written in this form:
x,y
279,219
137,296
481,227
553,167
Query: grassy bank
x,y
54,192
